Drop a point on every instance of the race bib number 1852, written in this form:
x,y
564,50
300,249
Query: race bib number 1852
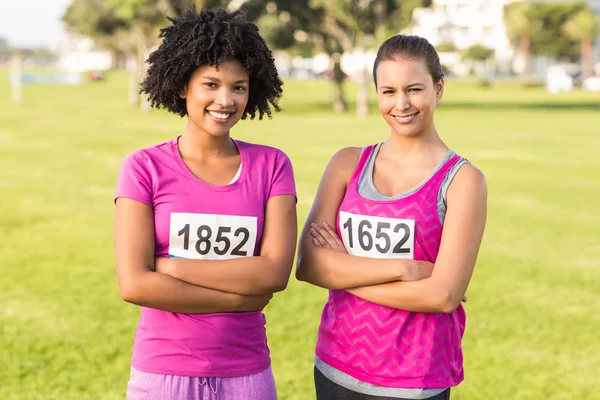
x,y
377,237
211,236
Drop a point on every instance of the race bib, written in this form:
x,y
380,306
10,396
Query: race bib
x,y
211,236
377,237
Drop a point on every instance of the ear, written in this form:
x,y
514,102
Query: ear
x,y
439,90
183,93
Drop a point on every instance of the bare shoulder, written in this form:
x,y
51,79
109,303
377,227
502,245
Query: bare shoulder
x,y
471,175
344,161
348,154
469,181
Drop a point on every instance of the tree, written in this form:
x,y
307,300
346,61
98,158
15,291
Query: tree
x,y
281,21
142,19
521,28
447,47
98,20
95,19
549,39
4,46
538,28
129,27
477,52
363,24
583,27
5,50
332,26
478,55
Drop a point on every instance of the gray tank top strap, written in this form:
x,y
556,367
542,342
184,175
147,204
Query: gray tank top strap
x,y
441,200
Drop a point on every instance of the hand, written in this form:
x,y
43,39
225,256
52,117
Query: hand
x,y
326,237
253,303
165,265
416,270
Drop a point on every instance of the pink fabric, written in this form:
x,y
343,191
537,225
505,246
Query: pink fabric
x,y
385,346
147,386
220,344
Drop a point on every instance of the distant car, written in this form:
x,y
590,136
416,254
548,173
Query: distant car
x,y
592,84
558,80
94,76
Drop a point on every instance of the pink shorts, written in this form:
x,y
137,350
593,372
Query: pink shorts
x,y
147,386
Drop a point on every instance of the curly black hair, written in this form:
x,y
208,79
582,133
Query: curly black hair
x,y
211,37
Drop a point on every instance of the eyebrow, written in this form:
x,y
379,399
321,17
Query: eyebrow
x,y
212,78
408,86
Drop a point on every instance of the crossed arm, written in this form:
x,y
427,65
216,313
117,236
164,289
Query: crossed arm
x,y
403,284
202,286
329,266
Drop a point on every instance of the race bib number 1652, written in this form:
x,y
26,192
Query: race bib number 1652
x,y
377,237
211,236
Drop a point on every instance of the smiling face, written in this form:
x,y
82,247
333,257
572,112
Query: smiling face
x,y
216,100
407,95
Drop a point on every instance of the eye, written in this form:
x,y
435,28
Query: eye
x,y
210,84
388,91
414,90
239,88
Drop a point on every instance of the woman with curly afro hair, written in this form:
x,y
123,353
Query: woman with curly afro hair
x,y
205,225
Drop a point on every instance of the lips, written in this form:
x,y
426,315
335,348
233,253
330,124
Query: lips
x,y
220,116
404,119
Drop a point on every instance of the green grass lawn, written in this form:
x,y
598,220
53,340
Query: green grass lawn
x,y
534,301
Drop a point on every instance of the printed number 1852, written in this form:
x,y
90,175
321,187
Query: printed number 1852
x,y
203,243
212,236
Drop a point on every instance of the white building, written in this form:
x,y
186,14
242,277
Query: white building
x,y
464,23
80,54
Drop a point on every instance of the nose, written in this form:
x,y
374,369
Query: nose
x,y
224,98
402,102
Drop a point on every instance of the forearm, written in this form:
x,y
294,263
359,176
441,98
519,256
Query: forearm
x,y
334,270
163,292
248,276
427,295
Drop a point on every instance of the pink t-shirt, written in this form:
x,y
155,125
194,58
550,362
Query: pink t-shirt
x,y
194,219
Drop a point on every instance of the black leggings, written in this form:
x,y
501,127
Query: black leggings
x,y
329,390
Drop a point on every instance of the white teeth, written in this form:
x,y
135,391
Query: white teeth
x,y
219,115
405,119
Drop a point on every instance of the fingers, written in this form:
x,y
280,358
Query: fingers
x,y
318,239
321,230
333,234
326,236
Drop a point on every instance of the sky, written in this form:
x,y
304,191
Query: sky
x,y
31,23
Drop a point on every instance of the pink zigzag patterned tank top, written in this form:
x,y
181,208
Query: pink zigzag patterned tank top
x,y
381,345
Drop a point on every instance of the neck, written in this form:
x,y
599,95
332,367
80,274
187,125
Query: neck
x,y
423,147
200,143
